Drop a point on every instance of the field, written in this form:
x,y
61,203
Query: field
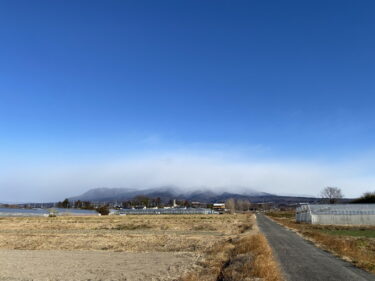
x,y
162,247
353,243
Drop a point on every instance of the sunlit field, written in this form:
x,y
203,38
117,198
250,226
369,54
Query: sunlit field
x,y
190,247
137,233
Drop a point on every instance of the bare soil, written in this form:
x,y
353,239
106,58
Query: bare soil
x,y
48,265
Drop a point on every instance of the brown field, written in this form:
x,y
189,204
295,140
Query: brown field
x,y
353,243
171,233
244,258
218,245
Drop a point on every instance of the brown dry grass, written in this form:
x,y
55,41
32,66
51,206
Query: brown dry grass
x,y
358,250
191,233
244,258
227,247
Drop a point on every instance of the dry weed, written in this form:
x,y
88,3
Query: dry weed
x,y
243,258
194,233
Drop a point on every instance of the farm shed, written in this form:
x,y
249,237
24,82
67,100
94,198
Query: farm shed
x,y
340,214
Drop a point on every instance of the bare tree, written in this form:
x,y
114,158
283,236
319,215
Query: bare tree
x,y
242,205
230,204
331,194
246,205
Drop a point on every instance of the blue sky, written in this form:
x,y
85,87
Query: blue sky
x,y
93,86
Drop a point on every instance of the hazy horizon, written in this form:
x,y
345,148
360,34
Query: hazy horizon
x,y
272,96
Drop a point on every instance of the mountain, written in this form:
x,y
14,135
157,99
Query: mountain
x,y
167,193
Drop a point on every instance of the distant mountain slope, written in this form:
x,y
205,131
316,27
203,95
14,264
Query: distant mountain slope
x,y
167,193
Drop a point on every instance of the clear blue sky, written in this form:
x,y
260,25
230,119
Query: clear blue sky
x,y
84,81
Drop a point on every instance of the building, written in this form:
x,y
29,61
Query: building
x,y
219,207
196,204
339,214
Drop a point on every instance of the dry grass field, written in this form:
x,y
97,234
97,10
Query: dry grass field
x,y
353,243
215,246
171,233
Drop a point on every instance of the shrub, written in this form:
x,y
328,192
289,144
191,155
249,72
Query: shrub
x,y
103,210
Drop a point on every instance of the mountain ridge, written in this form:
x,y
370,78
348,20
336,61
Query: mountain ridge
x,y
166,193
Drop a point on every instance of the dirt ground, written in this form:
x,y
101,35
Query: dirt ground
x,y
111,248
44,265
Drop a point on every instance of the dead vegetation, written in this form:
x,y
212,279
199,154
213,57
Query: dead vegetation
x,y
120,233
226,247
246,258
353,243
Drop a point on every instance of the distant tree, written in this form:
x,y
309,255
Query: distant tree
x,y
87,205
142,200
65,203
331,195
242,205
158,202
186,203
78,204
103,210
368,197
127,204
230,204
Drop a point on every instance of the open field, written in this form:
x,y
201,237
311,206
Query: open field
x,y
169,233
43,265
162,247
353,243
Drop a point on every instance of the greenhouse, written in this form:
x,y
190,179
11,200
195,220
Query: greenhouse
x,y
169,211
339,214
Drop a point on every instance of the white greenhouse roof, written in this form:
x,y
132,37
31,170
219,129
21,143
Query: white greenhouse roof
x,y
338,209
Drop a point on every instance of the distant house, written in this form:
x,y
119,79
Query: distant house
x,y
337,214
219,207
196,204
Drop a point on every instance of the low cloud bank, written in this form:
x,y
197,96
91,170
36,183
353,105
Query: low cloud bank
x,y
187,171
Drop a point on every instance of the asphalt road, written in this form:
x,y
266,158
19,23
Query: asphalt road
x,y
302,261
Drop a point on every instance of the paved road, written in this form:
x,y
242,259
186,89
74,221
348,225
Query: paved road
x,y
302,261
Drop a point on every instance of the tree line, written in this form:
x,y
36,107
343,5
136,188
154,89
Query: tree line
x,y
148,202
234,205
333,195
86,205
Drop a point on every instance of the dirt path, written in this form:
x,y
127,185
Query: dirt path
x,y
301,260
92,265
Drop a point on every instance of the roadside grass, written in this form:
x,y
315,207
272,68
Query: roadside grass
x,y
353,243
282,214
244,258
367,233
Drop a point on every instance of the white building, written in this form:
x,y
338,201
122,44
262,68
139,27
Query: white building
x,y
340,214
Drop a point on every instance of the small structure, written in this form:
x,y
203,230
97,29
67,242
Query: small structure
x,y
219,207
337,214
196,204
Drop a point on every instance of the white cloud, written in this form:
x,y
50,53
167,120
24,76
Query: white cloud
x,y
187,170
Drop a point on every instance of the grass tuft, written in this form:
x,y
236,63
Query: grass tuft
x,y
245,258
